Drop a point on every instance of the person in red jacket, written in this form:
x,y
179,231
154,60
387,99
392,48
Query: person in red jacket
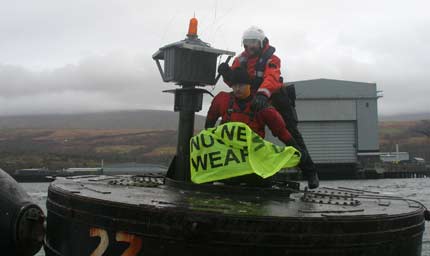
x,y
263,68
236,107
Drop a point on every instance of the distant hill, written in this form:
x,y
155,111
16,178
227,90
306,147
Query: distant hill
x,y
405,117
409,135
59,141
144,136
138,119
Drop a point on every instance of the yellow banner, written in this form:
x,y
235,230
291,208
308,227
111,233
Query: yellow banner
x,y
233,149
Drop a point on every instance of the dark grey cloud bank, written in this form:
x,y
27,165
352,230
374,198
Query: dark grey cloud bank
x,y
111,82
91,55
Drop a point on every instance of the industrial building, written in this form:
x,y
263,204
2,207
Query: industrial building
x,y
339,123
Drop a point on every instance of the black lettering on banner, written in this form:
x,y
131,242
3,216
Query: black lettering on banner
x,y
220,141
241,133
230,156
214,129
203,139
258,140
201,160
213,157
195,143
277,148
244,153
229,134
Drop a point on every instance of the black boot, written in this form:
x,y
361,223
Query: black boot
x,y
313,180
308,169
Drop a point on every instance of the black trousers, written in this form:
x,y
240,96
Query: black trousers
x,y
284,103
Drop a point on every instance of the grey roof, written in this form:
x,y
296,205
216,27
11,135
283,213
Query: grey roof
x,y
191,44
333,89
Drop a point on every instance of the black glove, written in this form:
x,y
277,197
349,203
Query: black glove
x,y
259,102
224,68
210,123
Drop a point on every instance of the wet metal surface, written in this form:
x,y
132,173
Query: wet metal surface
x,y
269,202
167,217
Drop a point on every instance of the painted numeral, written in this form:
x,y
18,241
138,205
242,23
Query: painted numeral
x,y
104,241
135,242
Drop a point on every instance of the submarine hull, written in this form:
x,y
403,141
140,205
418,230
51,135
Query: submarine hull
x,y
120,216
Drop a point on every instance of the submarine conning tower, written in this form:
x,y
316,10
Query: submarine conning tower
x,y
189,63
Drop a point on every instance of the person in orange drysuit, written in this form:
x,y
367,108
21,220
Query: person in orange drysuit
x,y
263,68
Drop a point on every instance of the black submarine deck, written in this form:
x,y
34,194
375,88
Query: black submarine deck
x,y
160,216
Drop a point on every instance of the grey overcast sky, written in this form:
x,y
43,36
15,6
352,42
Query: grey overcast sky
x,y
92,55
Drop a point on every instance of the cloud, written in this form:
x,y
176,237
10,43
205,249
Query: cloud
x,y
108,82
84,55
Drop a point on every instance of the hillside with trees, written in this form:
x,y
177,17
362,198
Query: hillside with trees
x,y
83,140
411,136
64,148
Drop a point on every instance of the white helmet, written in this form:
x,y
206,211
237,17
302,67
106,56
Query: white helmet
x,y
253,34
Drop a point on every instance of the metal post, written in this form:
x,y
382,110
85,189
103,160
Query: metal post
x,y
397,154
185,132
188,100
